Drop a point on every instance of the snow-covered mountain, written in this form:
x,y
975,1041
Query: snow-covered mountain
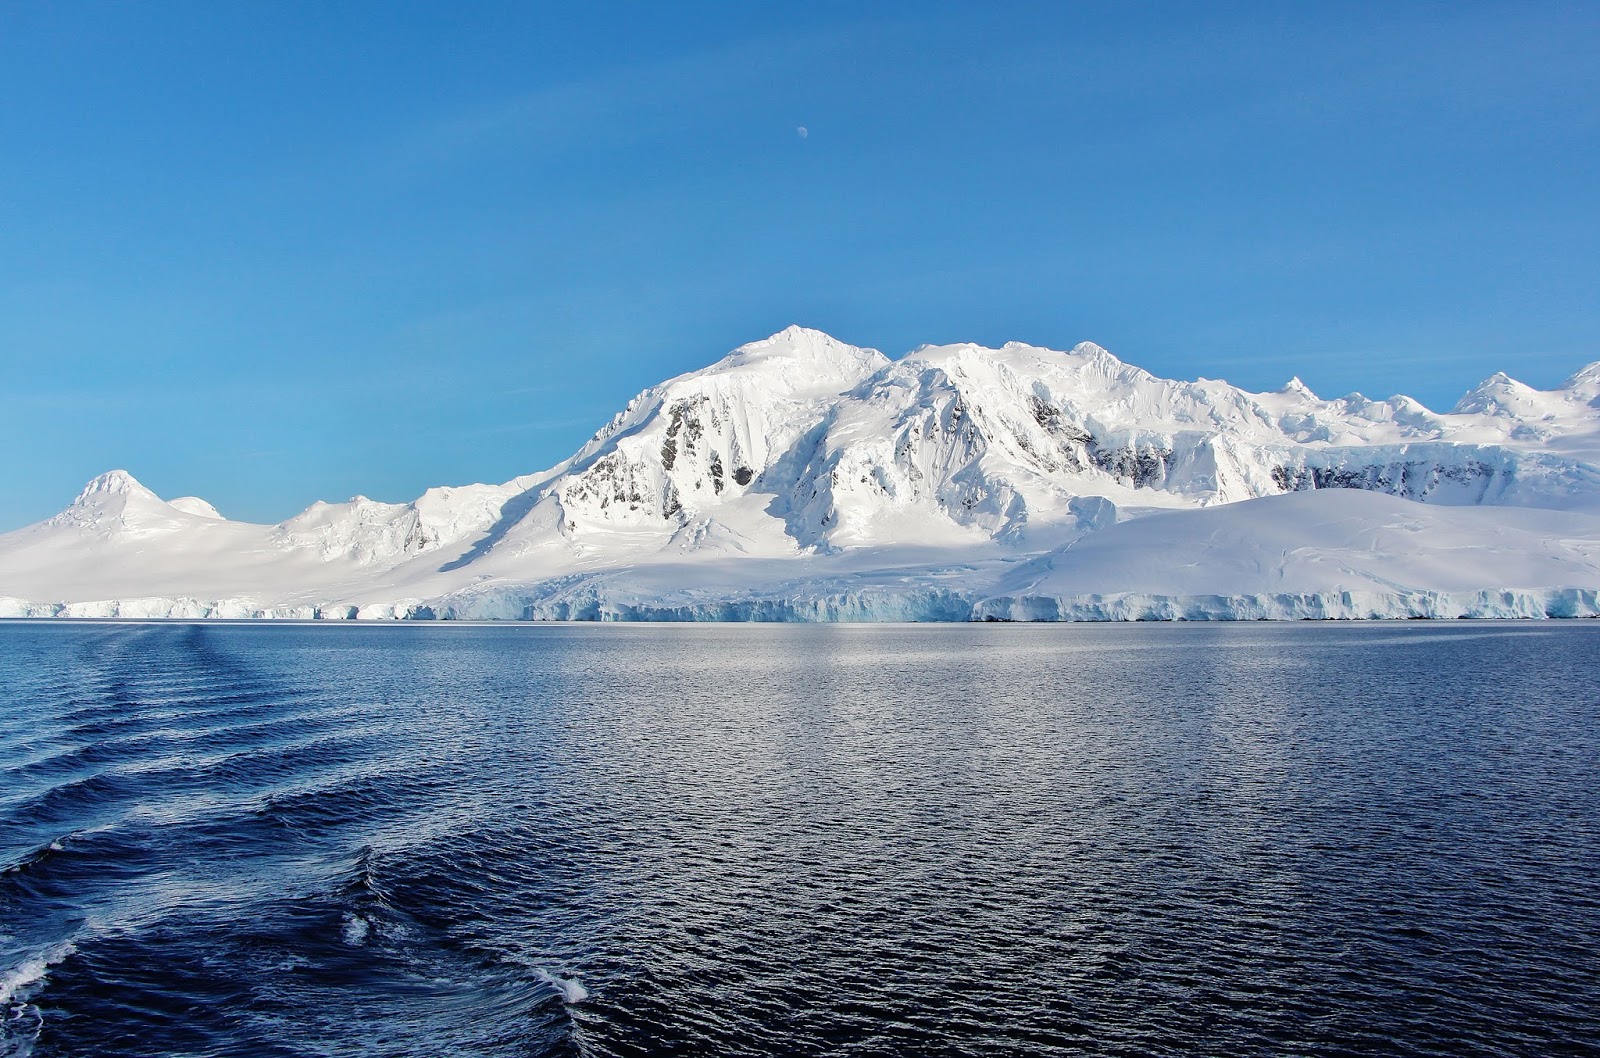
x,y
800,477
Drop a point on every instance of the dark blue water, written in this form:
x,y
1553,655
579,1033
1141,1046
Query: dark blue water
x,y
742,840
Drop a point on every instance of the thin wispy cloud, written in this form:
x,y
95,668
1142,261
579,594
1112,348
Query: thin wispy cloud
x,y
664,98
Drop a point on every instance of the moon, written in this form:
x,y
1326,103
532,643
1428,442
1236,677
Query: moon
x,y
802,131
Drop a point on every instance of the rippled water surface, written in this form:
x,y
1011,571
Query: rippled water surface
x,y
808,840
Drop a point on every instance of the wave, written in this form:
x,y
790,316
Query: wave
x,y
21,981
34,858
571,989
21,1022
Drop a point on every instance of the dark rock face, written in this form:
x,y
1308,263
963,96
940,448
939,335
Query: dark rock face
x,y
1070,450
1141,465
681,420
1045,414
612,481
418,538
1412,480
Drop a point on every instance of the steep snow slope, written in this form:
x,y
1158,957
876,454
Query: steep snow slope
x,y
691,457
801,468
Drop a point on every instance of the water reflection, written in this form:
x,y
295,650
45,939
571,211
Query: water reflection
x,y
799,840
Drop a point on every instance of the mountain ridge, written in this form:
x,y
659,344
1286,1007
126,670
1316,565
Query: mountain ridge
x,y
807,452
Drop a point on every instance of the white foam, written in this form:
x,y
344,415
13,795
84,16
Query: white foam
x,y
571,989
356,929
17,983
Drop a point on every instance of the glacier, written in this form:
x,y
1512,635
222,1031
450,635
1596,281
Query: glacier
x,y
800,478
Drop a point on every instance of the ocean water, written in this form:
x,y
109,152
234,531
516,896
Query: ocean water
x,y
1309,839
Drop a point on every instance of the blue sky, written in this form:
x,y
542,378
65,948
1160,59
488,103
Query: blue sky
x,y
271,253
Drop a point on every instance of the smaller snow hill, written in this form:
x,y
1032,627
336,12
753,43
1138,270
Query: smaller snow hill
x,y
802,478
1316,554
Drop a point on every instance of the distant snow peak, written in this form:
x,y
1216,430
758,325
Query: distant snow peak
x,y
794,337
1088,350
120,489
115,503
1499,394
1585,383
797,358
1295,387
113,483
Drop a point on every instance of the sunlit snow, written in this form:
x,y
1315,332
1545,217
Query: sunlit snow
x,y
800,478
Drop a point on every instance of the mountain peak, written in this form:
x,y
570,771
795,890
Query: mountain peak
x,y
793,341
811,351
112,483
1296,387
1495,395
115,501
1585,381
795,332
